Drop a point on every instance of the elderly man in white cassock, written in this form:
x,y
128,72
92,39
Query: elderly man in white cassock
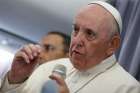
x,y
94,69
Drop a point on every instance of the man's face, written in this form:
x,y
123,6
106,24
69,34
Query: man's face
x,y
90,41
52,48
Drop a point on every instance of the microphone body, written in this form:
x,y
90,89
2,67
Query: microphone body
x,y
51,86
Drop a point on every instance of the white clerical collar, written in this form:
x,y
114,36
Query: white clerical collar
x,y
105,64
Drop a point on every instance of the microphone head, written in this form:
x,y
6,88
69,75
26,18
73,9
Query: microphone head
x,y
51,86
60,69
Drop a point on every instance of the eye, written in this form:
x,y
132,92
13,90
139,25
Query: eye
x,y
90,34
49,47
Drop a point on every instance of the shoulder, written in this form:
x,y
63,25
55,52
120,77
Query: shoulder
x,y
119,79
114,80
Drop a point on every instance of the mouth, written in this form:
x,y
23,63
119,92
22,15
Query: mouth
x,y
75,52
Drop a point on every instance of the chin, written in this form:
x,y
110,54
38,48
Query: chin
x,y
77,65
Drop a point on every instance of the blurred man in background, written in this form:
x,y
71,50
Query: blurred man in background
x,y
54,45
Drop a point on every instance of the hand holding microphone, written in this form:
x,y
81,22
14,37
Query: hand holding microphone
x,y
57,83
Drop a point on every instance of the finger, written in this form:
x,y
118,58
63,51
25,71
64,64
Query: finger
x,y
34,50
22,56
39,48
28,51
58,79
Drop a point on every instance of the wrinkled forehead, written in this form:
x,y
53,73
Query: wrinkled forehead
x,y
103,9
94,14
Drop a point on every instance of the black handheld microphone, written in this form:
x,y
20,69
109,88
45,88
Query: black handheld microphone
x,y
51,86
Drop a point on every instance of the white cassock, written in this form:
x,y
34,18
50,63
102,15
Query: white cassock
x,y
106,77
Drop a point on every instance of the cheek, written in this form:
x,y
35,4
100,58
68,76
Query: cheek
x,y
97,51
57,54
45,56
91,51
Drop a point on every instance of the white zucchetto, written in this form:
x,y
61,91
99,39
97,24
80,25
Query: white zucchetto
x,y
115,13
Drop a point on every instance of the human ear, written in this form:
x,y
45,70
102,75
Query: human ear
x,y
114,44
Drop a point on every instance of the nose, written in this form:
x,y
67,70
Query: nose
x,y
79,39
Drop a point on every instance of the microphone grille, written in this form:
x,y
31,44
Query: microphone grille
x,y
60,69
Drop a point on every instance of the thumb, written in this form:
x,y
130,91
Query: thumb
x,y
58,78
